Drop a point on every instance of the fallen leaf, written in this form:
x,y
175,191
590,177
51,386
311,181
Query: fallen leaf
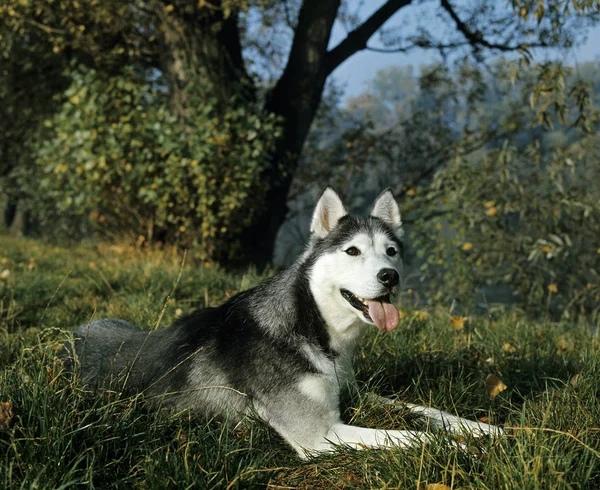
x,y
494,385
562,345
6,414
484,419
506,347
491,212
573,381
467,246
421,315
553,288
4,274
458,322
437,486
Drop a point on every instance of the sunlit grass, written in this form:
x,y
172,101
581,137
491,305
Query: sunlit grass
x,y
54,434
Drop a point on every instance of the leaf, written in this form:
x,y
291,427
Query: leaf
x,y
506,347
494,385
437,486
458,322
421,315
6,414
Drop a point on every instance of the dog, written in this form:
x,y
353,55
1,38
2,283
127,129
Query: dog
x,y
282,349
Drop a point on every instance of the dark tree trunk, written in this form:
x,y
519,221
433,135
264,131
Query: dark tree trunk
x,y
10,212
200,42
295,98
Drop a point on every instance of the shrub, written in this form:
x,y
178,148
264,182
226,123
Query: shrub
x,y
523,218
119,163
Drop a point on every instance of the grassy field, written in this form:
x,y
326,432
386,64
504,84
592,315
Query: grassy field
x,y
55,434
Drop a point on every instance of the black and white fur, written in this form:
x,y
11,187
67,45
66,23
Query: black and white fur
x,y
283,348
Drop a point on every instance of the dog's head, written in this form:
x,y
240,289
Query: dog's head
x,y
357,262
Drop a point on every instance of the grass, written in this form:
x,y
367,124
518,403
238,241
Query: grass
x,y
55,434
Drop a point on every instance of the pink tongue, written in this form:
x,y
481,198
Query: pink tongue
x,y
385,315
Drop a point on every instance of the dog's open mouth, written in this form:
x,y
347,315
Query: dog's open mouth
x,y
378,310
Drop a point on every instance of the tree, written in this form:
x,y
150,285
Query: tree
x,y
185,40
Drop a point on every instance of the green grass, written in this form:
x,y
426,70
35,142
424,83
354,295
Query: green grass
x,y
62,436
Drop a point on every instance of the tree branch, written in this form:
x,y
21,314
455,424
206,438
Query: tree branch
x,y
476,38
357,39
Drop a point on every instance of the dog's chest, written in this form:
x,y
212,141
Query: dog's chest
x,y
335,372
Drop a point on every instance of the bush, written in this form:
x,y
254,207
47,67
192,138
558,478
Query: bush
x,y
523,218
119,163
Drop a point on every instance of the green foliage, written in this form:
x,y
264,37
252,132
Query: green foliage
x,y
119,160
521,217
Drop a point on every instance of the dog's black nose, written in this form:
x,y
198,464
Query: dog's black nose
x,y
388,277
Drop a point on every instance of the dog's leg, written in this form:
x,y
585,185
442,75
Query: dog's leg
x,y
362,437
439,419
311,425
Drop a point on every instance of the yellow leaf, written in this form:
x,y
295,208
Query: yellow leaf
x,y
494,385
169,8
401,314
458,322
491,212
437,486
411,192
6,414
489,204
421,315
553,288
546,249
467,246
506,347
562,345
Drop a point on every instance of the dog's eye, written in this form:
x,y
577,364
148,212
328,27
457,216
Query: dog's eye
x,y
391,251
353,251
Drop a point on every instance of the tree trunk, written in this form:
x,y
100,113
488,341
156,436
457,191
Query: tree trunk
x,y
201,42
295,98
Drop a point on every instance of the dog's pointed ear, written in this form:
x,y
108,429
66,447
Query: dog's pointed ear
x,y
327,213
386,209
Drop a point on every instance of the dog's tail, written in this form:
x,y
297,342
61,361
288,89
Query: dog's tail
x,y
105,348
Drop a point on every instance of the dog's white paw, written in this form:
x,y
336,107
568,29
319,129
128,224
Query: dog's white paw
x,y
455,425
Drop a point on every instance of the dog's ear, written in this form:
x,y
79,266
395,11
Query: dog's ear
x,y
386,209
327,213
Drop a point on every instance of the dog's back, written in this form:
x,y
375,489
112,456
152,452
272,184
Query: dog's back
x,y
215,361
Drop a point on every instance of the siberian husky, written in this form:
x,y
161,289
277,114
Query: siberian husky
x,y
282,349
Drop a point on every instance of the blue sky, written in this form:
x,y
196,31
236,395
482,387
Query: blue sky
x,y
355,72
